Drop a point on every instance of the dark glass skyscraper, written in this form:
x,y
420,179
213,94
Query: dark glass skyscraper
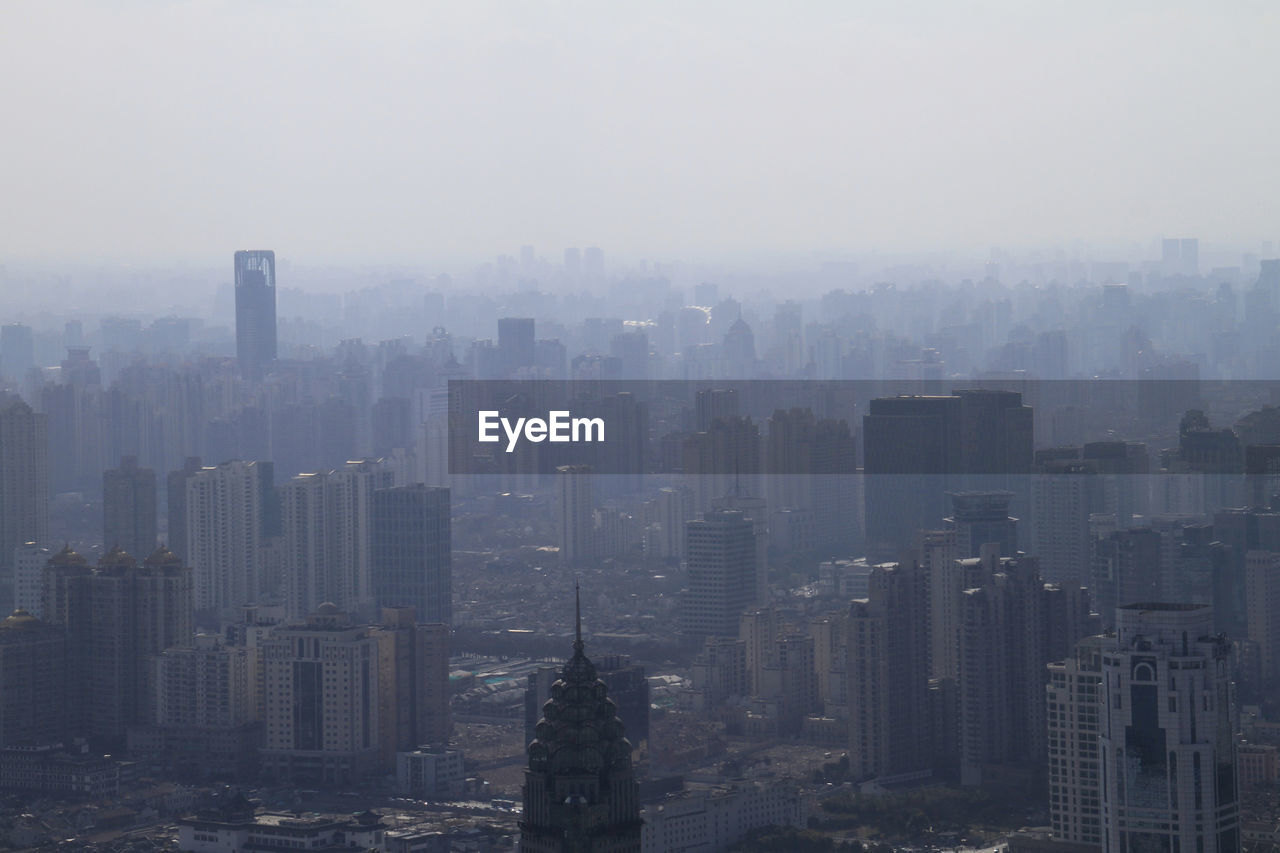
x,y
411,551
255,309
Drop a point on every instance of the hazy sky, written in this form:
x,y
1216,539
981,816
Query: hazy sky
x,y
417,131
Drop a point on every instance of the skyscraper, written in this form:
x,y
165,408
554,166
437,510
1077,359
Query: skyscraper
x,y
575,517
225,507
979,518
255,309
412,566
24,486
721,549
516,347
1262,597
1126,568
918,448
1075,777
912,449
888,675
327,520
414,683
322,699
17,350
1002,664
117,617
176,505
33,681
207,709
580,791
129,507
1168,754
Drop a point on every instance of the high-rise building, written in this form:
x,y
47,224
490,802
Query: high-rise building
x,y
1126,568
1262,598
725,459
29,560
758,630
328,546
33,681
129,507
413,683
756,511
1062,500
943,578
721,549
117,617
412,563
811,464
912,451
176,505
719,673
206,685
17,350
918,448
1002,664
516,347
255,309
24,486
888,676
575,515
323,684
1166,743
664,535
207,709
980,518
1073,706
225,509
580,790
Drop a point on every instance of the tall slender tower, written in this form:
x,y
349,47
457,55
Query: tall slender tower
x,y
1074,790
255,309
225,506
24,486
575,520
580,789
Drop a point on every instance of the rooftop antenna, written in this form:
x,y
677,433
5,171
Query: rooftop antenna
x,y
577,616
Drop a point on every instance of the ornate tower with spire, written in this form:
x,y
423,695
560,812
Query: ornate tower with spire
x,y
580,790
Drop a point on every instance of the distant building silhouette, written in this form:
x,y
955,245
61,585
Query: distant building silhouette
x,y
129,507
255,309
24,485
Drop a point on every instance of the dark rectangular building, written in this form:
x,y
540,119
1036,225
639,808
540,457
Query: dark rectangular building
x,y
411,551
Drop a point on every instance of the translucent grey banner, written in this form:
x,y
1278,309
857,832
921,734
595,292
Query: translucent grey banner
x,y
953,430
